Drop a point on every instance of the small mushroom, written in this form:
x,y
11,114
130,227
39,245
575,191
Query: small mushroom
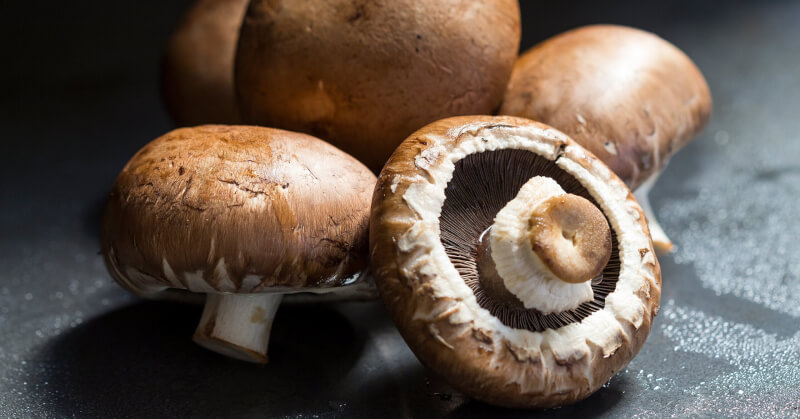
x,y
243,215
366,74
514,263
197,69
628,96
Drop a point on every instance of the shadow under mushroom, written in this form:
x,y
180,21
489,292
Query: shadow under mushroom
x,y
140,361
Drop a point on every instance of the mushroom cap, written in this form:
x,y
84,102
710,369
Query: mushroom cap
x,y
197,67
439,315
365,75
628,96
237,209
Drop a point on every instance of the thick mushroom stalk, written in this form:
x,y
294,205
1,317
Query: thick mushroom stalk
x,y
238,326
546,246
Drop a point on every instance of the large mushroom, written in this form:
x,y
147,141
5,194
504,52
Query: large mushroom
x,y
513,262
197,69
366,74
243,215
628,96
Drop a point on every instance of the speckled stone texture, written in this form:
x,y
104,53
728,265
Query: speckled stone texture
x,y
81,96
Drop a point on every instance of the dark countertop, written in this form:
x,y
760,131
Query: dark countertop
x,y
80,97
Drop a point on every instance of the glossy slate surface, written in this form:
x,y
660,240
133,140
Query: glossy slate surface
x,y
80,97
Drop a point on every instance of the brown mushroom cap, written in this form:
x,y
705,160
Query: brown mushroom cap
x,y
364,75
432,202
237,210
197,71
628,96
243,215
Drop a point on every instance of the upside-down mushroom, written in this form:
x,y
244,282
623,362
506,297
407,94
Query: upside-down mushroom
x,y
364,75
514,263
243,215
628,96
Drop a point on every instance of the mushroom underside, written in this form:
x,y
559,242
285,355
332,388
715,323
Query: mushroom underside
x,y
496,177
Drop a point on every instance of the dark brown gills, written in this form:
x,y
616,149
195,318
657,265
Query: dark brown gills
x,y
481,186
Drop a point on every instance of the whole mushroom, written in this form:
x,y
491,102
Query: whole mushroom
x,y
364,75
628,96
514,263
197,68
243,215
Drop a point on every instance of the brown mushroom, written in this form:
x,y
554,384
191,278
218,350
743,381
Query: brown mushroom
x,y
466,216
364,75
197,70
628,96
243,215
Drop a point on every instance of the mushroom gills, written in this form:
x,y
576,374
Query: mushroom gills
x,y
497,177
238,325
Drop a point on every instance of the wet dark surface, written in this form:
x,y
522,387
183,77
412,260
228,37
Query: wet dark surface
x,y
80,96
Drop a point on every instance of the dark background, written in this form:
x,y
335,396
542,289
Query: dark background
x,y
80,96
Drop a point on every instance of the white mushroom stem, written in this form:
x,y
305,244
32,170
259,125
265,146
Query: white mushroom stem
x,y
547,245
661,241
238,325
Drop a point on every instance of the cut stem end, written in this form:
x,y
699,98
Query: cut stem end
x,y
571,237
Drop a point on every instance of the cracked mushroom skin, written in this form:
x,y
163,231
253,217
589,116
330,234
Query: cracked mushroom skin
x,y
197,67
628,96
364,75
436,201
241,214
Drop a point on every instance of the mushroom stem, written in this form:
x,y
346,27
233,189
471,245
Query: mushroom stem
x,y
546,246
238,326
661,241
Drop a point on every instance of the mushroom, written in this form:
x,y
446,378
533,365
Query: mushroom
x,y
514,263
628,96
197,69
243,215
364,75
